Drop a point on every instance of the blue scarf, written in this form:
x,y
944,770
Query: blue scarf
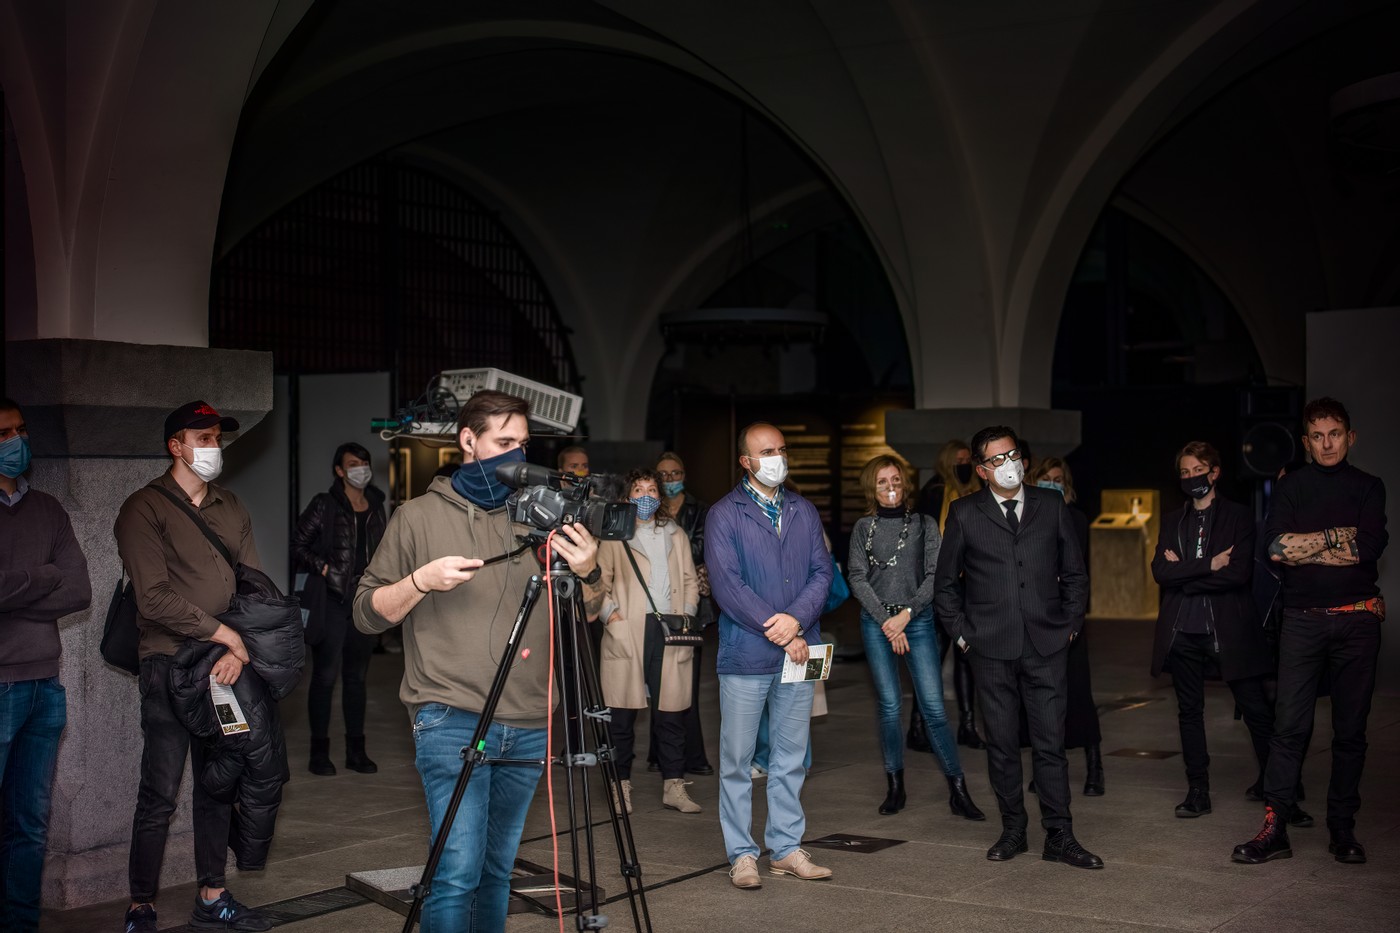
x,y
476,481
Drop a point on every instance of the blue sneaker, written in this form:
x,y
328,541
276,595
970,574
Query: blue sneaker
x,y
141,919
227,914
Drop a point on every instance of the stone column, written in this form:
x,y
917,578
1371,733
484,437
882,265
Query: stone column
x,y
95,411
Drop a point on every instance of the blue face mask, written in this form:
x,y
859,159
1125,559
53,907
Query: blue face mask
x,y
14,456
673,489
477,483
1051,484
646,507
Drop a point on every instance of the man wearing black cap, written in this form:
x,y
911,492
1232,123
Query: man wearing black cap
x,y
181,582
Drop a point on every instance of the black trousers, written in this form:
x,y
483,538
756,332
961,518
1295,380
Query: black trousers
x,y
1000,688
1344,645
694,744
668,736
1192,657
344,651
162,767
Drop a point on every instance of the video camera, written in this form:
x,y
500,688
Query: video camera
x,y
542,502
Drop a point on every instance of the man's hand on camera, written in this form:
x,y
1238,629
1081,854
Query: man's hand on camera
x,y
578,548
797,651
446,573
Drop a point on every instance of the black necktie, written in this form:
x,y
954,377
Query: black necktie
x,y
1011,519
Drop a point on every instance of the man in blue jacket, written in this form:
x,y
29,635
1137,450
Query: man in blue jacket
x,y
769,572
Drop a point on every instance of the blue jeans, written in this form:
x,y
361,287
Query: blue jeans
x,y
743,698
32,716
925,670
760,751
471,889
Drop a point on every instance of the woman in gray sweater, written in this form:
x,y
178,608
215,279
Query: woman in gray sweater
x,y
894,551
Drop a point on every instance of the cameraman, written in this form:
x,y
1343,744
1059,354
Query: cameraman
x,y
457,616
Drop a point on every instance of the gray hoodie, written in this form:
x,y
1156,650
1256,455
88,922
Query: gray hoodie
x,y
453,641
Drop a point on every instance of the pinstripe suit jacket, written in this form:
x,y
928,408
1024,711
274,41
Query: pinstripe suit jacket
x,y
993,585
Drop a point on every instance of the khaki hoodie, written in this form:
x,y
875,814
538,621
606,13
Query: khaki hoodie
x,y
453,640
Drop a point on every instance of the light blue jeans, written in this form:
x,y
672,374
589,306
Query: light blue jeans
x,y
471,890
742,701
925,670
32,716
760,751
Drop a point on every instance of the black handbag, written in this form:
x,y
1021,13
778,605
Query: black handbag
x,y
677,629
121,635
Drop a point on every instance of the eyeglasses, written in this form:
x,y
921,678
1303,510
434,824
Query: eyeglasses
x,y
670,475
1012,454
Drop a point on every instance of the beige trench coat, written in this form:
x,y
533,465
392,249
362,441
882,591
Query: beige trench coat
x,y
620,664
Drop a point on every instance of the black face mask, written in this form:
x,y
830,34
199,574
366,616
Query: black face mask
x,y
963,471
1196,487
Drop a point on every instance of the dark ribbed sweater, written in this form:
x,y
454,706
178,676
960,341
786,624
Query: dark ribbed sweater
x,y
43,577
1317,497
910,581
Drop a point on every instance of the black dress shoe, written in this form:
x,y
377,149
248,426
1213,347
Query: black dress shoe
x,y
1269,843
1011,844
1061,846
1197,803
704,770
1300,818
1345,847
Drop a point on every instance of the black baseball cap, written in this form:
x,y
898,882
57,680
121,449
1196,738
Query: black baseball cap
x,y
196,415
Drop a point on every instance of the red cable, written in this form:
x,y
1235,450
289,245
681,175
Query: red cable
x,y
549,731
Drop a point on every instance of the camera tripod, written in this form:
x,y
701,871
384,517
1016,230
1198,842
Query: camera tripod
x,y
582,699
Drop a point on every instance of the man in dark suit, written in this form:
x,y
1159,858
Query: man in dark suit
x,y
1011,590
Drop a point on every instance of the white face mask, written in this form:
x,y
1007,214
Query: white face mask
x,y
208,462
359,476
771,470
892,496
1009,474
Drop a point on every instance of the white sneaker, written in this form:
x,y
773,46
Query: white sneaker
x,y
756,773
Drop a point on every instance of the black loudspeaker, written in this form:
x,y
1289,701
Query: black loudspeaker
x,y
1269,430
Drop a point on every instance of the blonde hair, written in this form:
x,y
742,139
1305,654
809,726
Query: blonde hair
x,y
947,468
1050,463
872,469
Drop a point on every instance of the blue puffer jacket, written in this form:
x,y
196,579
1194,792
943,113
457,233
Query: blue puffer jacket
x,y
248,768
756,573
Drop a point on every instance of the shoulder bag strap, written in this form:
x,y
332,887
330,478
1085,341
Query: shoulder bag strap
x,y
200,523
638,571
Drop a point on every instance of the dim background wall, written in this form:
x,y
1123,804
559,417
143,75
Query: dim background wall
x,y
1350,354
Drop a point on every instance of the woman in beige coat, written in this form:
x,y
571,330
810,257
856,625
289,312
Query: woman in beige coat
x,y
637,669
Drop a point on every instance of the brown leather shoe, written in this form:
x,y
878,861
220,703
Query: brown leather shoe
x,y
799,864
744,874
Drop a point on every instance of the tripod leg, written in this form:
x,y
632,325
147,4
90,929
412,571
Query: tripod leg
x,y
591,702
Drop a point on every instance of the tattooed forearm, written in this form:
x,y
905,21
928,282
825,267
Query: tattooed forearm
x,y
1298,548
1344,556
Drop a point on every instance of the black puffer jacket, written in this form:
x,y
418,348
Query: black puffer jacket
x,y
247,768
317,544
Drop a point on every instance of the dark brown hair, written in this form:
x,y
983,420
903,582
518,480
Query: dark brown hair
x,y
663,514
1202,451
1325,407
485,405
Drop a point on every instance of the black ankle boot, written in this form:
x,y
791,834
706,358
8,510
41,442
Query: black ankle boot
x,y
355,757
917,740
967,731
321,758
894,800
960,802
1093,780
1269,843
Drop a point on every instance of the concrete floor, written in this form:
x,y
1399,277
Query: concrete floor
x,y
1162,873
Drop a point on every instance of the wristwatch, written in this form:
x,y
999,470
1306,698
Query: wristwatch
x,y
594,576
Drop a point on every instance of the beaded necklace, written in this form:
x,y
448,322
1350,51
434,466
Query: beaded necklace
x,y
870,541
